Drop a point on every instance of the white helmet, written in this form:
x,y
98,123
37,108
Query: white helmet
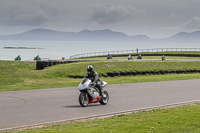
x,y
90,68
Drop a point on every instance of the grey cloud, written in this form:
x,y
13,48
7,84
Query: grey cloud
x,y
25,12
113,14
151,17
192,24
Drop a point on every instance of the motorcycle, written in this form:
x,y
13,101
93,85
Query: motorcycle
x,y
139,56
37,58
109,58
90,94
130,57
18,58
163,57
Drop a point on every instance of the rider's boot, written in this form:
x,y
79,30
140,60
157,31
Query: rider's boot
x,y
101,93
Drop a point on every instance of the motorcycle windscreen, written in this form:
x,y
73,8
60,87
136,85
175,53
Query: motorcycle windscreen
x,y
84,80
84,84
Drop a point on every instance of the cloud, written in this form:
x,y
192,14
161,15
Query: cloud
x,y
113,14
192,24
189,25
24,12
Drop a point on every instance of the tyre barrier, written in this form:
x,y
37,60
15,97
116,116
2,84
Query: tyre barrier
x,y
161,72
50,63
123,73
135,73
45,64
39,65
117,73
111,74
42,64
104,75
75,76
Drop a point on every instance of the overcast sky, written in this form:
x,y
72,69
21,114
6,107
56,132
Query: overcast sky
x,y
154,18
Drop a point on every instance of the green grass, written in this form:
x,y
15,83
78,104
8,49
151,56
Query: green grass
x,y
103,67
150,78
183,119
23,76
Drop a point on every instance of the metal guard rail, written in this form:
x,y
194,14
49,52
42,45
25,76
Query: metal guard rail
x,y
134,51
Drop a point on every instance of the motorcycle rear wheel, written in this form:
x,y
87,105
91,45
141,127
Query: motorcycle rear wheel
x,y
83,99
105,100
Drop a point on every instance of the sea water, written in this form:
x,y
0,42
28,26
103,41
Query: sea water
x,y
59,49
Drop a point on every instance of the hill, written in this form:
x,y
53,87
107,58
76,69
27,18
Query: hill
x,y
183,37
97,35
84,35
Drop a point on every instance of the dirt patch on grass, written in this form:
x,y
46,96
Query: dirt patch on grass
x,y
108,65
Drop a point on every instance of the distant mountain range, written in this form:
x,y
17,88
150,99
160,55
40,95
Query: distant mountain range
x,y
97,35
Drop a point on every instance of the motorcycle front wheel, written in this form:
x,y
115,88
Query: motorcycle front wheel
x,y
83,99
104,100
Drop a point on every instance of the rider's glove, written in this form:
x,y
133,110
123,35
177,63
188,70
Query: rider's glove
x,y
93,83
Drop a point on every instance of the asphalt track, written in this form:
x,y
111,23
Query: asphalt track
x,y
35,107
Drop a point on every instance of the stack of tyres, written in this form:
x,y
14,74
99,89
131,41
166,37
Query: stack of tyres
x,y
45,64
41,64
38,65
50,63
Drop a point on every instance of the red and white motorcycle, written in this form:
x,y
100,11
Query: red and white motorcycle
x,y
90,94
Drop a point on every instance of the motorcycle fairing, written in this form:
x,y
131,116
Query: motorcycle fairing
x,y
92,100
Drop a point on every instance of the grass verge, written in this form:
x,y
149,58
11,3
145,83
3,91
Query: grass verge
x,y
23,76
